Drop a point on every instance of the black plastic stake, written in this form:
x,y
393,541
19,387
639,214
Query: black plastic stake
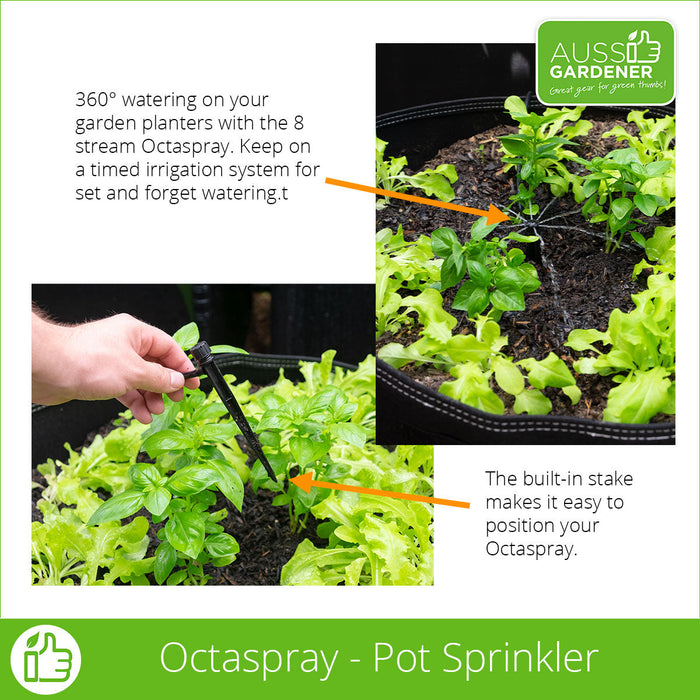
x,y
202,355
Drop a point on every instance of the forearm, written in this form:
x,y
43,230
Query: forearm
x,y
118,357
52,378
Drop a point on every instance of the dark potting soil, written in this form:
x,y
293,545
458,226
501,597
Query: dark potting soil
x,y
580,283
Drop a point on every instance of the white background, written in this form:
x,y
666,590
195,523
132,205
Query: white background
x,y
315,58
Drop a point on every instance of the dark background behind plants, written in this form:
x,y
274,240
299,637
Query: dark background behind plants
x,y
408,74
296,319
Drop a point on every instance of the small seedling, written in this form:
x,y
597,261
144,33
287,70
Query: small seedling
x,y
538,151
496,276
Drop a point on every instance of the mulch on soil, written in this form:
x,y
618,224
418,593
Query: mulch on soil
x,y
264,536
580,286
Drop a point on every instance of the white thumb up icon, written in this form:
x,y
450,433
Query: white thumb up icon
x,y
642,49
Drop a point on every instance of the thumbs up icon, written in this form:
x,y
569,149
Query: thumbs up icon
x,y
45,659
641,48
50,665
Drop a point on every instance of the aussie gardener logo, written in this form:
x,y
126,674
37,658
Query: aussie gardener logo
x,y
603,62
617,60
45,659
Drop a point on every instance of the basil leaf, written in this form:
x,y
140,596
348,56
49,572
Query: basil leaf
x,y
646,203
166,558
349,432
220,432
471,298
521,238
221,545
187,336
622,207
228,481
508,297
216,349
480,229
185,532
120,506
307,450
452,270
177,578
165,441
190,480
478,273
144,475
442,241
157,500
516,146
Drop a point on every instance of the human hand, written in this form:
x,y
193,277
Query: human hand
x,y
118,357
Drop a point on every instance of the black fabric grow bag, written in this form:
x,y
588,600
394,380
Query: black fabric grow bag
x,y
52,426
409,413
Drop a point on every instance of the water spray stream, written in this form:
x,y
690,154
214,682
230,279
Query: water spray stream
x,y
556,290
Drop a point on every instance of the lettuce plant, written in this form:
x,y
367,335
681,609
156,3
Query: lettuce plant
x,y
101,465
661,251
642,343
655,139
400,266
390,176
64,549
476,361
372,540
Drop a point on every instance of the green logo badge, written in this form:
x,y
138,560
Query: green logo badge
x,y
605,62
45,659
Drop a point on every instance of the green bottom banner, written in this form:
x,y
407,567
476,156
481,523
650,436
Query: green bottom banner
x,y
350,658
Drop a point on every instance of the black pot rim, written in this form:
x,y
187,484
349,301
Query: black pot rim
x,y
481,104
560,428
52,426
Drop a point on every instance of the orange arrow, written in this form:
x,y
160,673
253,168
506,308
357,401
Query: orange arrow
x,y
306,481
493,216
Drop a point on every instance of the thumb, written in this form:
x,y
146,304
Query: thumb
x,y
49,642
150,376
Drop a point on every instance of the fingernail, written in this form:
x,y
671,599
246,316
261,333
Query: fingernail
x,y
177,381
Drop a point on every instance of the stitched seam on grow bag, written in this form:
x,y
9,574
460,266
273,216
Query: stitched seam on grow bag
x,y
463,108
550,426
259,364
274,362
437,112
